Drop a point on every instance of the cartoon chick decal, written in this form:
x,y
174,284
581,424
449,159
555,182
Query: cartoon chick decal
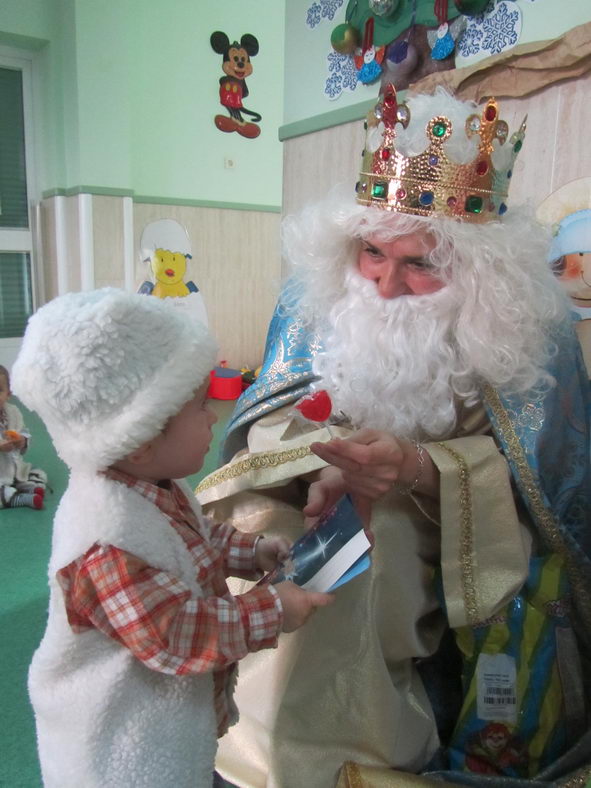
x,y
169,270
166,248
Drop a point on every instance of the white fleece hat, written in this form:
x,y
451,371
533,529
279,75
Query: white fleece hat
x,y
106,369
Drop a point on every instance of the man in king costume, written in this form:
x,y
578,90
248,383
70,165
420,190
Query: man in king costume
x,y
460,424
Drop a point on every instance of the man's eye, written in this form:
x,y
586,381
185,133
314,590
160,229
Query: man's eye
x,y
421,265
371,250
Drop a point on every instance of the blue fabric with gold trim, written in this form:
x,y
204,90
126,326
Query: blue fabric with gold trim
x,y
285,376
546,440
545,436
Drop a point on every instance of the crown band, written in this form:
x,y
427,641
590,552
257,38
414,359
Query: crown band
x,y
431,183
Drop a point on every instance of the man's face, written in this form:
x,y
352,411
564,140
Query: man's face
x,y
399,267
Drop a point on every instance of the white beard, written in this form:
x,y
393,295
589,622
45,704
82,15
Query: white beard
x,y
389,364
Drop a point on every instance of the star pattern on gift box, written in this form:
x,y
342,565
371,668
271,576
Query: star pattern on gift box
x,y
497,29
323,9
342,74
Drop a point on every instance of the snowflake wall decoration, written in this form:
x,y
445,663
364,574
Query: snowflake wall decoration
x,y
342,74
495,30
322,9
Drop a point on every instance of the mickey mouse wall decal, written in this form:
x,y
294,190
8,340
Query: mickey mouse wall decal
x,y
236,66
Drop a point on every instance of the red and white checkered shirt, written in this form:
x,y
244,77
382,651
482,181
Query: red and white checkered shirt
x,y
154,614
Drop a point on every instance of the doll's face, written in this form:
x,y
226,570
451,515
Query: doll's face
x,y
574,273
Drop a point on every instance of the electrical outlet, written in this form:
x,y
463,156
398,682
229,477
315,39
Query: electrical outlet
x,y
229,163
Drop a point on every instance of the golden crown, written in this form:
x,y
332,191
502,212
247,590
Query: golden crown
x,y
432,184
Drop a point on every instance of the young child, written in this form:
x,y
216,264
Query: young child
x,y
133,679
20,484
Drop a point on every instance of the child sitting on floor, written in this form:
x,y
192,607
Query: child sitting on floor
x,y
20,484
134,677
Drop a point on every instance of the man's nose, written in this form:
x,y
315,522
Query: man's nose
x,y
390,280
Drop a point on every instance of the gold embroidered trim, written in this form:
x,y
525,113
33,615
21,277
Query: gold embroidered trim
x,y
255,462
466,536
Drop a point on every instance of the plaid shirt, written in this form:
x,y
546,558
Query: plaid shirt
x,y
155,615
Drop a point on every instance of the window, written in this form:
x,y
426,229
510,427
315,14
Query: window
x,y
17,290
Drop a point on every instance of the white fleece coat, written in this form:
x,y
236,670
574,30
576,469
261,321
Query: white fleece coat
x,y
103,718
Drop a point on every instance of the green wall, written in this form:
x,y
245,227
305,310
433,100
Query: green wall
x,y
126,92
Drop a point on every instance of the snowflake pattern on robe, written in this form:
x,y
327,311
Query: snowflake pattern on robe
x,y
323,9
342,74
496,29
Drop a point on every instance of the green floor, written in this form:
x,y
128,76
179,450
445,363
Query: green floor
x,y
25,541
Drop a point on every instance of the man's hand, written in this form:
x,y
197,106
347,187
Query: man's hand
x,y
372,462
298,605
270,551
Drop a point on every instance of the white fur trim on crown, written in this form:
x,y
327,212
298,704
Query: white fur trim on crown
x,y
106,369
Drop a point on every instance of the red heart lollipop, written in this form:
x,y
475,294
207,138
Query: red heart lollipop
x,y
316,406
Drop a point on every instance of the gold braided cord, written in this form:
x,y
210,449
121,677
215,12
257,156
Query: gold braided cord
x,y
466,535
255,462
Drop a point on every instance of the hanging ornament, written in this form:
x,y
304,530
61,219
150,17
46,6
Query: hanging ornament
x,y
344,39
471,7
383,7
401,56
443,40
401,60
368,60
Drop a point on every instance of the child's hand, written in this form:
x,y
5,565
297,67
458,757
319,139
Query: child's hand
x,y
323,494
12,440
270,551
326,491
298,605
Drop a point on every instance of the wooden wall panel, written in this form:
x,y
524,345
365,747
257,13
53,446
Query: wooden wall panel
x,y
48,248
107,213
